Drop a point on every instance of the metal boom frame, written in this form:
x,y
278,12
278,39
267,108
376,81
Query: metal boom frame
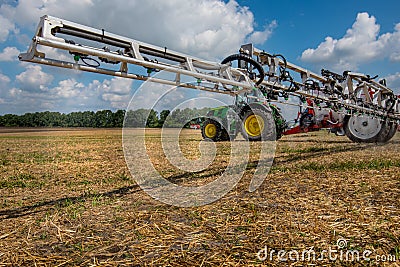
x,y
348,93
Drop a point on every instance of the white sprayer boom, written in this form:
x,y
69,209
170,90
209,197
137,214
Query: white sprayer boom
x,y
348,94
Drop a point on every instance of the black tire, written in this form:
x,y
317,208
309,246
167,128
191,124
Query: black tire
x,y
280,122
393,131
224,136
255,64
388,132
355,134
212,130
306,121
251,128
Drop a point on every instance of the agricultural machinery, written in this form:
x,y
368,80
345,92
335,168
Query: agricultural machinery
x,y
352,104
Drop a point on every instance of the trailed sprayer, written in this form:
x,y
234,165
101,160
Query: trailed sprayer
x,y
353,104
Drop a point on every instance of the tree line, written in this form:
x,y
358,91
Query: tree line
x,y
106,118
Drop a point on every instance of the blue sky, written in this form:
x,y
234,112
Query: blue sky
x,y
358,35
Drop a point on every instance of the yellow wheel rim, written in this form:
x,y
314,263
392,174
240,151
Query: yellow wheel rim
x,y
254,125
210,130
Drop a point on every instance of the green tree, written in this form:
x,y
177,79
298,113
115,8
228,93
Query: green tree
x,y
103,119
11,120
118,118
136,118
152,119
163,116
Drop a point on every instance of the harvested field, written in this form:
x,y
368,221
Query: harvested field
x,y
68,199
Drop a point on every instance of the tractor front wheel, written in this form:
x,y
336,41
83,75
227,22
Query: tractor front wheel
x,y
213,130
258,125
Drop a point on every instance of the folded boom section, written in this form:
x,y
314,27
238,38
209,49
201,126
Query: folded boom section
x,y
354,104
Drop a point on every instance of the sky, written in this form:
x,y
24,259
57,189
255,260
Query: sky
x,y
357,35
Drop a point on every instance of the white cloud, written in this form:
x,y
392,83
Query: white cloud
x,y
67,89
395,57
9,54
15,92
362,43
54,53
120,86
33,78
117,92
113,98
6,27
66,96
393,81
259,37
157,96
4,79
207,28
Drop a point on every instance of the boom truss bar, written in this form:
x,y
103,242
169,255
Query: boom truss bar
x,y
223,78
349,93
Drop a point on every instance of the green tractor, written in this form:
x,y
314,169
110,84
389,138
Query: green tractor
x,y
256,121
251,115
